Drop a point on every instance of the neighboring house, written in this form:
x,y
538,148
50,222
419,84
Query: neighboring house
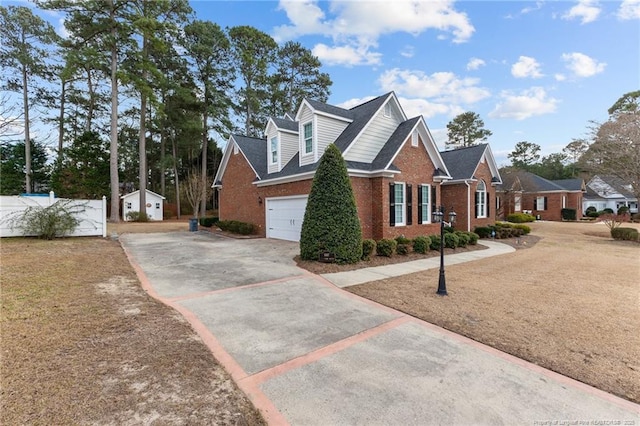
x,y
529,193
394,165
154,207
472,190
609,192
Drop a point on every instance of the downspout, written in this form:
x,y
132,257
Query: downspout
x,y
466,182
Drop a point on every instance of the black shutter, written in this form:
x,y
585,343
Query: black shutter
x,y
486,195
433,198
409,206
476,204
535,203
545,203
420,219
392,205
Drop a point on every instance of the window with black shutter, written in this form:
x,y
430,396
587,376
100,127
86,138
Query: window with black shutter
x,y
420,219
409,207
392,204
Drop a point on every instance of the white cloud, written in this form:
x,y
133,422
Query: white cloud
x,y
629,9
360,24
530,9
560,77
408,51
413,107
346,55
475,63
582,65
526,67
444,87
528,103
586,10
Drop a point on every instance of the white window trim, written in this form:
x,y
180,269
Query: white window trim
x,y
564,201
387,110
403,204
540,204
517,202
271,151
414,138
481,206
426,186
304,139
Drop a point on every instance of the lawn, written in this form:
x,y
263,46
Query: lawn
x,y
570,303
82,343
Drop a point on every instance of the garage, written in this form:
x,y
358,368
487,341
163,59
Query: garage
x,y
285,216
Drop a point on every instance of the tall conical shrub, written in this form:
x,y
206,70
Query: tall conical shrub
x,y
331,220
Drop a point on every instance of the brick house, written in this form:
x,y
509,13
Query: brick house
x,y
526,192
471,191
396,170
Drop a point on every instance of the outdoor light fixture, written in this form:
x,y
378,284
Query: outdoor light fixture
x,y
438,216
259,199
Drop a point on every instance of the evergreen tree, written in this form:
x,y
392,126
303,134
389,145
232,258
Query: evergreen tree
x,y
331,219
13,164
466,129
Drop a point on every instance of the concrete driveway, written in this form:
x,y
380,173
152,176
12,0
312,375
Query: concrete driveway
x,y
308,353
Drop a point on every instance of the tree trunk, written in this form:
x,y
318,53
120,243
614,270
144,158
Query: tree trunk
x,y
61,120
205,143
113,151
163,147
175,175
27,136
142,141
91,105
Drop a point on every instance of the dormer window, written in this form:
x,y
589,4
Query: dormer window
x,y
308,138
274,150
387,109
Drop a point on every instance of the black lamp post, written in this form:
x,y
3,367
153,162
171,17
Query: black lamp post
x,y
438,216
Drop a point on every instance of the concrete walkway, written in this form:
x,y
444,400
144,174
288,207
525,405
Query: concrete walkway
x,y
309,353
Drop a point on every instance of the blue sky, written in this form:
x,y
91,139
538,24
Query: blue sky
x,y
533,71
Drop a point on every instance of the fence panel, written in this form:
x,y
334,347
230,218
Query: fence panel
x,y
93,217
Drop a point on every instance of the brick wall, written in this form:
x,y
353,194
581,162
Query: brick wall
x,y
239,196
553,211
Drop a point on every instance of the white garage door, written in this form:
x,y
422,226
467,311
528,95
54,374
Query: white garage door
x,y
284,217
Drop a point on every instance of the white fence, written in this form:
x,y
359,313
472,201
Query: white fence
x,y
92,214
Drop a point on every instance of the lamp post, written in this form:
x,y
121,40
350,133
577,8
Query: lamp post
x,y
438,216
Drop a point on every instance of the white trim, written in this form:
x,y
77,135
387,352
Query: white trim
x,y
429,212
303,148
316,112
404,204
277,151
414,138
482,202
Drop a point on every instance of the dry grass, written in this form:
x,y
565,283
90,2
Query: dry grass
x,y
570,303
83,343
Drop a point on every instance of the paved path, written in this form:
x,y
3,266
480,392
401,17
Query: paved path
x,y
309,353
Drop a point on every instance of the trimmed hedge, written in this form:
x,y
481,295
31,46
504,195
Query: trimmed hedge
x,y
403,249
421,244
473,238
569,214
331,218
237,227
520,218
483,231
209,221
626,234
463,238
451,240
368,248
435,242
386,247
401,239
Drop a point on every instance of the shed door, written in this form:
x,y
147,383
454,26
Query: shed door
x,y
284,217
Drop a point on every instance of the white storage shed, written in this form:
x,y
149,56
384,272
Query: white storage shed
x,y
154,207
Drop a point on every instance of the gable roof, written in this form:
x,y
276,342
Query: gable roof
x,y
255,150
136,192
615,183
530,182
462,163
362,115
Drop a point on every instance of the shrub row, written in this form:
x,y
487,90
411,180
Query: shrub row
x,y
520,218
592,212
502,230
421,244
627,234
209,221
237,227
